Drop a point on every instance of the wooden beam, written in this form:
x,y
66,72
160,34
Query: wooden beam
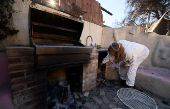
x,y
106,11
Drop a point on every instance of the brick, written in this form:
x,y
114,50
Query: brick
x,y
87,87
22,80
27,59
41,76
102,92
35,100
97,100
40,105
88,105
17,100
30,90
19,67
89,79
35,83
116,99
94,56
19,51
41,92
14,60
17,88
17,74
112,106
33,72
105,100
32,104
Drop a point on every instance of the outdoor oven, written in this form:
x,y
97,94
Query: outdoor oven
x,y
55,56
56,40
57,48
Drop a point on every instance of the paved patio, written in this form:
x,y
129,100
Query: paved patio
x,y
104,96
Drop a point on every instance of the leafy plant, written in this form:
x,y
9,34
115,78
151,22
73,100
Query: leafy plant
x,y
137,11
6,28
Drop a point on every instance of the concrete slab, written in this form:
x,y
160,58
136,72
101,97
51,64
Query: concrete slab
x,y
154,80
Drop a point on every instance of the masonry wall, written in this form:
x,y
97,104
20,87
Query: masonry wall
x,y
90,72
28,85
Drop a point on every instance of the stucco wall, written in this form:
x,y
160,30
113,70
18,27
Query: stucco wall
x,y
21,22
158,57
91,29
107,37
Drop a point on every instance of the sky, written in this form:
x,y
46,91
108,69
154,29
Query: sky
x,y
116,7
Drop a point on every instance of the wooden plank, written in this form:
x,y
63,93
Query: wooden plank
x,y
100,15
78,3
106,11
37,34
85,7
90,9
68,8
73,1
93,9
97,12
47,60
62,49
55,27
52,42
63,4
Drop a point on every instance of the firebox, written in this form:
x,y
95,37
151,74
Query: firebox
x,y
61,83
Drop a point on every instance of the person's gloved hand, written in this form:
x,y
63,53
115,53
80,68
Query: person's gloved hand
x,y
113,65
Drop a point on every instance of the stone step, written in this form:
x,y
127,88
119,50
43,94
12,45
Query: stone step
x,y
105,100
80,95
97,100
112,106
102,92
116,99
75,95
90,105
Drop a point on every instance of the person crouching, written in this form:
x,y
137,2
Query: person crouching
x,y
127,54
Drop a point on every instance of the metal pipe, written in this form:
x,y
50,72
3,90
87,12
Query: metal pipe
x,y
147,24
87,38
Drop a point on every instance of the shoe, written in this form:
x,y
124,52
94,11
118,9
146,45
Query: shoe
x,y
123,83
129,86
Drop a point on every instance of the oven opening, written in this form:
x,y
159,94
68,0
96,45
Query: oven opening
x,y
61,84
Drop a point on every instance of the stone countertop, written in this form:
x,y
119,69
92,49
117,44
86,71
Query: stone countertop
x,y
102,50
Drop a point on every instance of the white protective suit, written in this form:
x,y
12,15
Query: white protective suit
x,y
135,54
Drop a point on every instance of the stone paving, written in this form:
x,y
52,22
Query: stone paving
x,y
104,96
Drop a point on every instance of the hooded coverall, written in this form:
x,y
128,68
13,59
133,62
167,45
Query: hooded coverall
x,y
135,54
